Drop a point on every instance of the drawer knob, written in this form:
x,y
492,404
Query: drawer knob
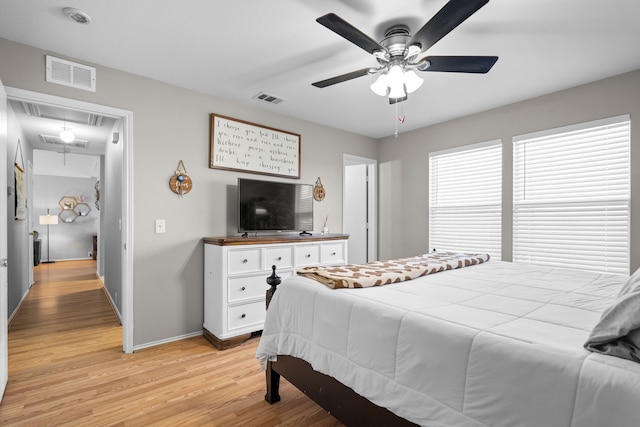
x,y
308,255
243,316
243,288
279,258
244,261
333,253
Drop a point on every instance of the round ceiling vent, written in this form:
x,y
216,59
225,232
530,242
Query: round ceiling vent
x,y
77,15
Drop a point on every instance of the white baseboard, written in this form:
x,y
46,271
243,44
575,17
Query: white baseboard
x,y
114,307
15,312
167,340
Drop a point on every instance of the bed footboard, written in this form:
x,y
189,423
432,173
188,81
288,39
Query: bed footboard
x,y
333,396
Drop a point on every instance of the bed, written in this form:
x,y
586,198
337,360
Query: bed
x,y
494,344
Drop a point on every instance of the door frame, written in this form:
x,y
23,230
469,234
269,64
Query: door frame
x,y
127,191
372,198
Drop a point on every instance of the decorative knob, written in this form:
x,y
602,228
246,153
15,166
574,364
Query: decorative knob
x,y
273,280
243,316
242,288
244,261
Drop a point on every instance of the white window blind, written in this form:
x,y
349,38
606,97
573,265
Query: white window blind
x,y
465,199
571,197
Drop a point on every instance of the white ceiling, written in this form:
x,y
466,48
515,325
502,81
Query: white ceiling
x,y
236,49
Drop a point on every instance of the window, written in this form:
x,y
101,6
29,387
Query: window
x,y
465,199
571,197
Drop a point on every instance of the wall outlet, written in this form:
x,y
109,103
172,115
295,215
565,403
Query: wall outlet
x,y
160,226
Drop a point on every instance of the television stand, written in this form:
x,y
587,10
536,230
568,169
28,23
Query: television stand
x,y
235,273
305,233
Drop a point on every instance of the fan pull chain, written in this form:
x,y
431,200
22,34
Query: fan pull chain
x,y
396,121
399,119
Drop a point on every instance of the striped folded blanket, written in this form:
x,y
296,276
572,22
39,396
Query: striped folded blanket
x,y
380,273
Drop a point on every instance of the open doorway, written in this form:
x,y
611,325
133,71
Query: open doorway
x,y
117,253
359,208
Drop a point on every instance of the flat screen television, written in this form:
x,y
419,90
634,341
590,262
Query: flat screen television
x,y
274,206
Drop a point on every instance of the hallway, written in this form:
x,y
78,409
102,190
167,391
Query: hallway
x,y
66,314
66,367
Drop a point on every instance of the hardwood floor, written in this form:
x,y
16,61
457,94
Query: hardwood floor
x,y
66,367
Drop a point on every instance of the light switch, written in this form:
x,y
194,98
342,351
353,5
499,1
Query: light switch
x,y
160,226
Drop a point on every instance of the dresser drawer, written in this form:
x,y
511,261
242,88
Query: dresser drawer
x,y
307,255
244,260
281,257
244,315
332,253
242,288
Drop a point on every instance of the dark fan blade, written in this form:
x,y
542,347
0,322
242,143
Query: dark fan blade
x,y
349,32
459,64
449,17
342,78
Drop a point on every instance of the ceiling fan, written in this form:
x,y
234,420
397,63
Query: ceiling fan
x,y
400,53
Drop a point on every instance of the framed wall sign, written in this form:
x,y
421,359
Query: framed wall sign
x,y
242,146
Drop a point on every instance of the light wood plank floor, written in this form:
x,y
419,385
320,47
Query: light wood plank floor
x,y
66,367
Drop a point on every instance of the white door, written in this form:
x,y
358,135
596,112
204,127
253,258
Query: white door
x,y
360,208
4,332
356,215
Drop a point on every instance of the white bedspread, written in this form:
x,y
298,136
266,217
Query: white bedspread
x,y
497,344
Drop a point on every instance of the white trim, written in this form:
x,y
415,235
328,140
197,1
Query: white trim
x,y
15,312
127,191
114,307
127,234
167,340
574,127
473,146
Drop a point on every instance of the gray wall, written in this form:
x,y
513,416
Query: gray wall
x,y
68,241
109,239
17,231
404,174
172,124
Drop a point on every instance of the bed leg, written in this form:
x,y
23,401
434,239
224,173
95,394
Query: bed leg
x,y
273,385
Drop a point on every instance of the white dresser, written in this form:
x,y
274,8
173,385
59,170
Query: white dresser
x,y
235,278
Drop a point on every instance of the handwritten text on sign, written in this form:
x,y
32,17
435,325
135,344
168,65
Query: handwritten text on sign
x,y
243,146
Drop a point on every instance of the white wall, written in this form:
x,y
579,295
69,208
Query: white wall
x,y
404,174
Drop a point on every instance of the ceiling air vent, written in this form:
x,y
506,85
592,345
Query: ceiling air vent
x,y
55,140
265,97
31,109
67,73
94,120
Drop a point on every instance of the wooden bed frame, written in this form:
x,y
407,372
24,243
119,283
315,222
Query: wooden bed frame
x,y
336,398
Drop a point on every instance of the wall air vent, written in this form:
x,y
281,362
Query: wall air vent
x,y
55,140
265,97
67,73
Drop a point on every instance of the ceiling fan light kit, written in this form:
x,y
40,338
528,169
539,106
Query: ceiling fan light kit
x,y
399,53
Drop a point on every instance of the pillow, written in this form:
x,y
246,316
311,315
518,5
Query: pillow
x,y
618,331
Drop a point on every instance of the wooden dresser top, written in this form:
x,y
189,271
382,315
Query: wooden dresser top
x,y
286,238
